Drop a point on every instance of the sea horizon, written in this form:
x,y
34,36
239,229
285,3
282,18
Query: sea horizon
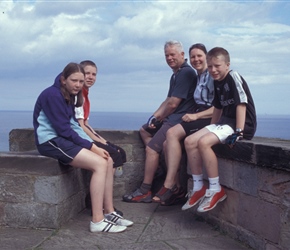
x,y
269,125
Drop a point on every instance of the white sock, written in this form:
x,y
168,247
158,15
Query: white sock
x,y
110,213
97,222
214,184
197,182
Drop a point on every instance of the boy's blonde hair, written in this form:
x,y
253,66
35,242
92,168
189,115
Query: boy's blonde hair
x,y
218,51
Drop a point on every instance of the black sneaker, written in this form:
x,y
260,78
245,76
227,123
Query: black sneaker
x,y
118,212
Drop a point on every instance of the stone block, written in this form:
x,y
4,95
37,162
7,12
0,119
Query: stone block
x,y
242,151
54,189
267,156
274,186
21,140
285,228
121,136
16,188
245,178
260,217
138,153
238,233
30,163
226,172
37,191
42,215
227,210
133,173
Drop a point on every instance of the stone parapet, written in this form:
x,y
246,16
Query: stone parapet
x,y
36,191
256,177
255,174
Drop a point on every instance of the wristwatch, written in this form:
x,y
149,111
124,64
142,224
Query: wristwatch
x,y
239,130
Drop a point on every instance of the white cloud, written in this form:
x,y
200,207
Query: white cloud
x,y
126,40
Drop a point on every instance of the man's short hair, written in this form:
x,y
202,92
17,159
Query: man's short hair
x,y
175,43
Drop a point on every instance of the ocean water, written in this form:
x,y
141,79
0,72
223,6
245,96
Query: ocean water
x,y
271,126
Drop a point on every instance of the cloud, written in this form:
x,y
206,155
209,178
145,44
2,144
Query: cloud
x,y
126,38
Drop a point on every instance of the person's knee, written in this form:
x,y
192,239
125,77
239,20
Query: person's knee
x,y
150,151
202,143
164,144
110,162
144,134
188,143
100,168
170,134
142,131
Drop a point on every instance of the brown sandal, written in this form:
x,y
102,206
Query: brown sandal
x,y
168,196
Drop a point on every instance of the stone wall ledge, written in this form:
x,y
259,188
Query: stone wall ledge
x,y
260,151
255,175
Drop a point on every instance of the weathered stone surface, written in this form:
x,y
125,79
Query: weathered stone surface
x,y
155,227
256,182
274,186
16,188
11,239
54,189
121,136
267,156
285,229
242,151
42,215
23,163
226,172
228,209
19,141
246,178
260,217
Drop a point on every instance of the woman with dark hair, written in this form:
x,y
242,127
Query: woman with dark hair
x,y
58,135
192,122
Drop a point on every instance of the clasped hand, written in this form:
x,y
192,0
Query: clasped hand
x,y
189,117
233,138
101,152
153,122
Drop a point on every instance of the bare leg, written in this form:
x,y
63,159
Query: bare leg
x,y
88,160
151,165
173,154
146,137
208,155
194,159
108,195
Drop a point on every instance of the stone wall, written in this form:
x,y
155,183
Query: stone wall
x,y
255,174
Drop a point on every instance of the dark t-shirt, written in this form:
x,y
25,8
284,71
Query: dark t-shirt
x,y
182,85
230,92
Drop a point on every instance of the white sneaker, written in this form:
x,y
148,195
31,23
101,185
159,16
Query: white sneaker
x,y
106,226
118,219
194,197
211,199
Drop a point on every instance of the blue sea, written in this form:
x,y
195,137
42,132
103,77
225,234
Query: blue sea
x,y
271,126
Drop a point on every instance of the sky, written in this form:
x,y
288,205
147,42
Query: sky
x,y
126,38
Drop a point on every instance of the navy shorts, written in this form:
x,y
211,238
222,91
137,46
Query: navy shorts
x,y
158,136
117,153
193,126
59,148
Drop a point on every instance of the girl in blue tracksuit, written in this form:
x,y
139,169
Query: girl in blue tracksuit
x,y
58,135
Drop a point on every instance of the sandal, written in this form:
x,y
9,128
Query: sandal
x,y
168,196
